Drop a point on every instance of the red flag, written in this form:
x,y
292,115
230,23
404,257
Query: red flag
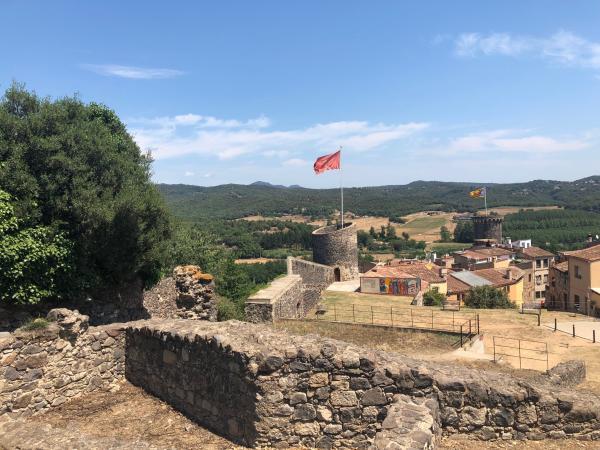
x,y
327,162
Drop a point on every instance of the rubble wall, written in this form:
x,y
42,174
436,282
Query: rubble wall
x,y
282,299
42,369
315,279
262,387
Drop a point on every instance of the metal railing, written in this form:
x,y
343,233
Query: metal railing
x,y
572,331
521,349
413,318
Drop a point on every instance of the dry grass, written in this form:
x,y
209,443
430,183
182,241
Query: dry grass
x,y
402,341
254,260
423,227
459,443
504,210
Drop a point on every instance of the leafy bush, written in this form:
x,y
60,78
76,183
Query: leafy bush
x,y
36,324
488,297
73,168
433,298
229,310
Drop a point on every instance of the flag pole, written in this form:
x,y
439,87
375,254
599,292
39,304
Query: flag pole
x,y
485,201
341,186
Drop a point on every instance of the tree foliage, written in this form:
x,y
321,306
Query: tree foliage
x,y
72,168
433,298
488,297
33,260
464,232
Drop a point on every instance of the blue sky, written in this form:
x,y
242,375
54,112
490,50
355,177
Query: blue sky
x,y
239,91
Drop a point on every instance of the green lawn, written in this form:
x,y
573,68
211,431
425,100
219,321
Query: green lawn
x,y
423,224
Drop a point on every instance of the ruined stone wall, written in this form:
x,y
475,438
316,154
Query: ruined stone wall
x,y
338,248
44,368
195,297
315,279
263,387
282,299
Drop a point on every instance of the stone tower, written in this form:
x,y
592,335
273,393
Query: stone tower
x,y
338,248
487,228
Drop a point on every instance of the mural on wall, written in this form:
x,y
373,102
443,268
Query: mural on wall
x,y
399,286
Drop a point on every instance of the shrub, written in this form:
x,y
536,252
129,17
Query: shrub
x,y
433,298
228,310
488,297
38,323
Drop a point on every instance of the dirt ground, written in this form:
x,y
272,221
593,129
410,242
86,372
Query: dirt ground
x,y
254,260
132,415
564,444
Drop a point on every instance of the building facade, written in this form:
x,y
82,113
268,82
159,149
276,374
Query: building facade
x,y
541,261
557,295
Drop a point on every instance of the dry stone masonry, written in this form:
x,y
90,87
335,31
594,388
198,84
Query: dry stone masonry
x,y
44,368
263,387
195,294
338,248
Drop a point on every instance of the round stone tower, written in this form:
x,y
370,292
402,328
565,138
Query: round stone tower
x,y
338,248
487,228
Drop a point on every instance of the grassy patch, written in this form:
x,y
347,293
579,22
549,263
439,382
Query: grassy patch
x,y
38,323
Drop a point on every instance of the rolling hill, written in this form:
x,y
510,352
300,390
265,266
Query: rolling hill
x,y
235,200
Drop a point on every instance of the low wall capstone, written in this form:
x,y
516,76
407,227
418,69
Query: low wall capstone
x,y
282,299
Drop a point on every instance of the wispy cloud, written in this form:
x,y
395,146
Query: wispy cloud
x,y
189,174
185,134
295,162
137,73
563,47
498,142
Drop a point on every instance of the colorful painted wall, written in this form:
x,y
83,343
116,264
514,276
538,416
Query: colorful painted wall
x,y
408,287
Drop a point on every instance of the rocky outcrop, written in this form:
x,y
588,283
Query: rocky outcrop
x,y
44,368
195,294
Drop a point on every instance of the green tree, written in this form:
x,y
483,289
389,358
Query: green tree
x,y
33,260
74,168
390,232
405,236
433,298
373,233
445,235
464,232
488,297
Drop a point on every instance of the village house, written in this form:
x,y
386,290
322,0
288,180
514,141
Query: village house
x,y
584,280
557,295
509,280
476,258
402,278
541,260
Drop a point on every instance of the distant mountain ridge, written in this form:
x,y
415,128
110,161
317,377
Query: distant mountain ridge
x,y
237,200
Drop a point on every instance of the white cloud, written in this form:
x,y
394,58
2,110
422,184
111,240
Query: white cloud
x,y
137,73
511,141
189,174
295,162
186,134
563,47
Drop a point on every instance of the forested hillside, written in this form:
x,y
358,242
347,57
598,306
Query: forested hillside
x,y
235,200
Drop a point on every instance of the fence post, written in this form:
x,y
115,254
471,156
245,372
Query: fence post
x,y
412,323
432,319
452,320
593,336
461,336
573,330
353,316
470,333
547,362
539,318
494,345
477,323
371,315
334,313
555,324
392,315
519,353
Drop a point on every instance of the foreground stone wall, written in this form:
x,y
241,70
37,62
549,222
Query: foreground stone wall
x,y
261,386
315,279
282,299
44,368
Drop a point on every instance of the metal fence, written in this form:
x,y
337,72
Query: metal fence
x,y
581,330
523,350
465,325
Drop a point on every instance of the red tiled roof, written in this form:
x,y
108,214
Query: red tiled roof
x,y
406,270
563,266
387,271
587,254
456,286
498,276
536,252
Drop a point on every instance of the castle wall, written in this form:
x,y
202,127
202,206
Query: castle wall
x,y
337,248
282,299
487,228
264,387
42,369
315,279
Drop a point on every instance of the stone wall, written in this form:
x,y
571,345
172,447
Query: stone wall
x,y
263,387
195,297
486,227
282,299
338,248
44,368
315,279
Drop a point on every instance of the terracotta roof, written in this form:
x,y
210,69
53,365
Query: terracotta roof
x,y
456,286
587,254
492,251
563,266
536,252
387,271
421,271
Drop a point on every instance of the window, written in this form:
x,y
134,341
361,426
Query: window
x,y
538,294
577,272
545,278
538,263
545,262
576,301
538,279
435,289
